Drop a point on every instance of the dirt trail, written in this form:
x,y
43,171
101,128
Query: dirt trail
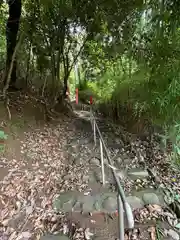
x,y
40,161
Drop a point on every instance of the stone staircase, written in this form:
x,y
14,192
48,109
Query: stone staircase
x,y
101,201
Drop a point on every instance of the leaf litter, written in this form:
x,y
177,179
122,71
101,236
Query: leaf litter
x,y
35,178
37,175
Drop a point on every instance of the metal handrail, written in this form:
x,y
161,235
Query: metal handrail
x,y
123,205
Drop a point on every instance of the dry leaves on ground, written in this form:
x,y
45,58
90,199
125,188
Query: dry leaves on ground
x,y
34,180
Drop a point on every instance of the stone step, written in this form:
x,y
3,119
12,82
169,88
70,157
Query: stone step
x,y
104,201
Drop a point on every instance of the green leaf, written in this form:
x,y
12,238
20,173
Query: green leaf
x,y
3,135
177,196
177,226
177,150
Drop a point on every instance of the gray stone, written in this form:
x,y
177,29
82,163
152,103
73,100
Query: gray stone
x,y
158,193
135,202
88,205
108,176
74,149
92,177
110,204
85,178
54,237
77,207
68,206
64,201
98,176
106,193
95,161
151,198
98,205
126,160
138,173
119,160
99,199
173,234
121,174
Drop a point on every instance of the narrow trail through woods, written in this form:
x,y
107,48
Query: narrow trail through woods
x,y
43,162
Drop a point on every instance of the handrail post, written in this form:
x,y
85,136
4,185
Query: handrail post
x,y
123,206
120,217
102,162
94,130
91,118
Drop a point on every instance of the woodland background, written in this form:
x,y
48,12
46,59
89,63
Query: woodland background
x,y
124,53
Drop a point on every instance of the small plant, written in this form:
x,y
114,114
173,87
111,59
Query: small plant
x,y
3,137
176,143
172,134
174,137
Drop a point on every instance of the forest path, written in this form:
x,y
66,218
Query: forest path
x,y
43,163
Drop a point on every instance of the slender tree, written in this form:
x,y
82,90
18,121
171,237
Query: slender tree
x,y
12,28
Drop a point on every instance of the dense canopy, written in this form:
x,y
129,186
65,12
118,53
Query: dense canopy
x,y
127,52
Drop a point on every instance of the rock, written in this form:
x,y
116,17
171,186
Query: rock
x,y
108,176
83,141
98,176
121,174
88,205
98,205
65,201
74,149
77,207
68,206
85,178
92,177
135,202
173,234
95,161
138,173
150,198
119,160
110,204
54,237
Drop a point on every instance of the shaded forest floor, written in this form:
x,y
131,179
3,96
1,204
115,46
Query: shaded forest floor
x,y
42,160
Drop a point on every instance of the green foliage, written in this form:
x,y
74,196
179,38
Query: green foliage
x,y
173,135
3,137
145,78
128,52
3,14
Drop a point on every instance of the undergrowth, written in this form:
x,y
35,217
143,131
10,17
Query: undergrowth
x,y
147,94
3,137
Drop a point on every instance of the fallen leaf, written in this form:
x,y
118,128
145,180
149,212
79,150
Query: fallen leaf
x,y
5,222
18,205
12,236
157,208
152,231
65,229
26,235
88,235
29,210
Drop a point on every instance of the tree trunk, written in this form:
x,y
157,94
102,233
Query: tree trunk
x,y
28,64
12,28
